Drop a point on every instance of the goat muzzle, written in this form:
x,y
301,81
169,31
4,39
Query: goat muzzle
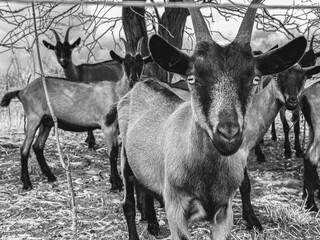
x,y
228,138
291,103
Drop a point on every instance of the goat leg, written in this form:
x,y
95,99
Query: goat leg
x,y
153,225
247,210
115,180
297,145
90,140
259,153
38,146
129,208
273,131
285,125
309,182
141,200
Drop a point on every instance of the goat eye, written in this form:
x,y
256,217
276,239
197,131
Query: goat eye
x,y
191,79
275,77
256,80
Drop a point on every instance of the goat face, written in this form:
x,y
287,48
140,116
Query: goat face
x,y
222,81
220,92
132,65
291,81
63,50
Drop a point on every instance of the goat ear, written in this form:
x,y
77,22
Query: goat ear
x,y
167,56
116,57
309,71
147,59
282,58
76,43
48,45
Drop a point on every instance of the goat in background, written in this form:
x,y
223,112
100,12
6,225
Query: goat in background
x,y
307,60
78,107
265,106
103,71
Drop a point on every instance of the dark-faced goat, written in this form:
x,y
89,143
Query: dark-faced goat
x,y
265,106
78,107
102,71
187,151
307,60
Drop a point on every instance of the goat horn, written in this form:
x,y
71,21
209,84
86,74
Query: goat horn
x,y
200,27
125,44
245,30
56,34
311,43
66,38
139,46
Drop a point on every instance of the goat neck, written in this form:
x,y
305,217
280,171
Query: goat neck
x,y
264,108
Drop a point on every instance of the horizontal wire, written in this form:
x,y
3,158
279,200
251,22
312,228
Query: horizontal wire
x,y
172,4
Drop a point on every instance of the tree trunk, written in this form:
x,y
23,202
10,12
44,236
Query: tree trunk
x,y
134,27
172,26
174,20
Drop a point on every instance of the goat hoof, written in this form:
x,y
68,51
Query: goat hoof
x,y
52,178
153,228
261,159
287,155
274,139
312,207
299,154
116,185
253,222
27,187
91,145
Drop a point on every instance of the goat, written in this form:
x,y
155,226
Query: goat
x,y
86,73
310,103
78,107
187,151
264,108
307,60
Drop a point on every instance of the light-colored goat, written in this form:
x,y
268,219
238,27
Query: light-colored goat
x,y
103,71
187,151
78,107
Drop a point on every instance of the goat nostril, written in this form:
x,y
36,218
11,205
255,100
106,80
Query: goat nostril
x,y
228,130
293,100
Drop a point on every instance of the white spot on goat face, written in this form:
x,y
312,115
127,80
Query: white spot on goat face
x,y
226,100
223,100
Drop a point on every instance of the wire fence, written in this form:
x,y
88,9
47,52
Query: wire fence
x,y
200,4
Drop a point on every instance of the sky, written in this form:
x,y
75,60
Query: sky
x,y
229,29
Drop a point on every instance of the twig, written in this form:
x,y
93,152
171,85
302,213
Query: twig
x,y
64,165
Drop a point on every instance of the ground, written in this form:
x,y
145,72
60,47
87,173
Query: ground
x,y
44,212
